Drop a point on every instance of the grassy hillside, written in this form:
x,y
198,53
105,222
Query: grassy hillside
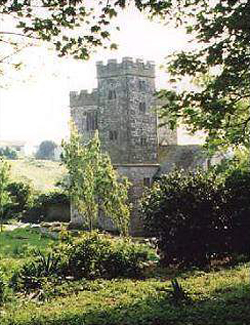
x,y
220,296
42,174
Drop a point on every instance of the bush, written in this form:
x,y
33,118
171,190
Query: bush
x,y
21,198
183,211
31,276
237,209
95,255
90,256
194,218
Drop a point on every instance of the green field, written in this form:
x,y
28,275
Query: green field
x,y
212,297
19,245
42,174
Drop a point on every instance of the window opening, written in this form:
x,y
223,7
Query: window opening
x,y
143,141
142,85
146,181
91,121
142,107
113,135
112,94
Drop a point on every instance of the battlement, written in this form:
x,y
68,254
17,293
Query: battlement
x,y
126,67
83,98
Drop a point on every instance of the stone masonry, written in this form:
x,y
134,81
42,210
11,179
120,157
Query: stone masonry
x,y
122,108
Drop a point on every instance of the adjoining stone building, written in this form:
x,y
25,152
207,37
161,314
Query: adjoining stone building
x,y
122,108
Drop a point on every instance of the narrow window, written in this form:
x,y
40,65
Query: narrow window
x,y
146,181
112,94
142,107
143,141
113,135
91,121
142,85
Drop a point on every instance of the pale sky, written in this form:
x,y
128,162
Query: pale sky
x,y
35,106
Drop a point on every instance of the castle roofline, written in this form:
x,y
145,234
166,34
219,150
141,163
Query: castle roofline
x,y
77,99
127,67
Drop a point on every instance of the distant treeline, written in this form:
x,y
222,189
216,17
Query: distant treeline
x,y
8,153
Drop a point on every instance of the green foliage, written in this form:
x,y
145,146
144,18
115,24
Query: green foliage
x,y
94,255
178,294
90,256
218,297
181,211
220,103
4,194
237,209
59,22
2,287
94,184
42,203
46,150
196,218
238,162
20,244
8,153
21,199
31,276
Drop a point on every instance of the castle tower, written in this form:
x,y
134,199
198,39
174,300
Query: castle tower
x,y
84,112
122,108
128,123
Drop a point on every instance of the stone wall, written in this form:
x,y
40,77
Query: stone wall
x,y
187,157
141,176
126,101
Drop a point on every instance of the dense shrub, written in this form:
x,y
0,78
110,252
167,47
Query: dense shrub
x,y
237,210
90,256
194,218
21,198
95,255
33,274
43,203
183,212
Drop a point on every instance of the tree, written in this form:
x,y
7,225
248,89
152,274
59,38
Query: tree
x,y
21,195
94,184
220,104
46,150
72,27
4,194
198,216
8,153
221,27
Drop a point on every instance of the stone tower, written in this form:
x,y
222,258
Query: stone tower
x,y
127,124
122,108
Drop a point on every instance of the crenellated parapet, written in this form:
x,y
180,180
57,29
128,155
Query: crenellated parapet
x,y
127,67
83,98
